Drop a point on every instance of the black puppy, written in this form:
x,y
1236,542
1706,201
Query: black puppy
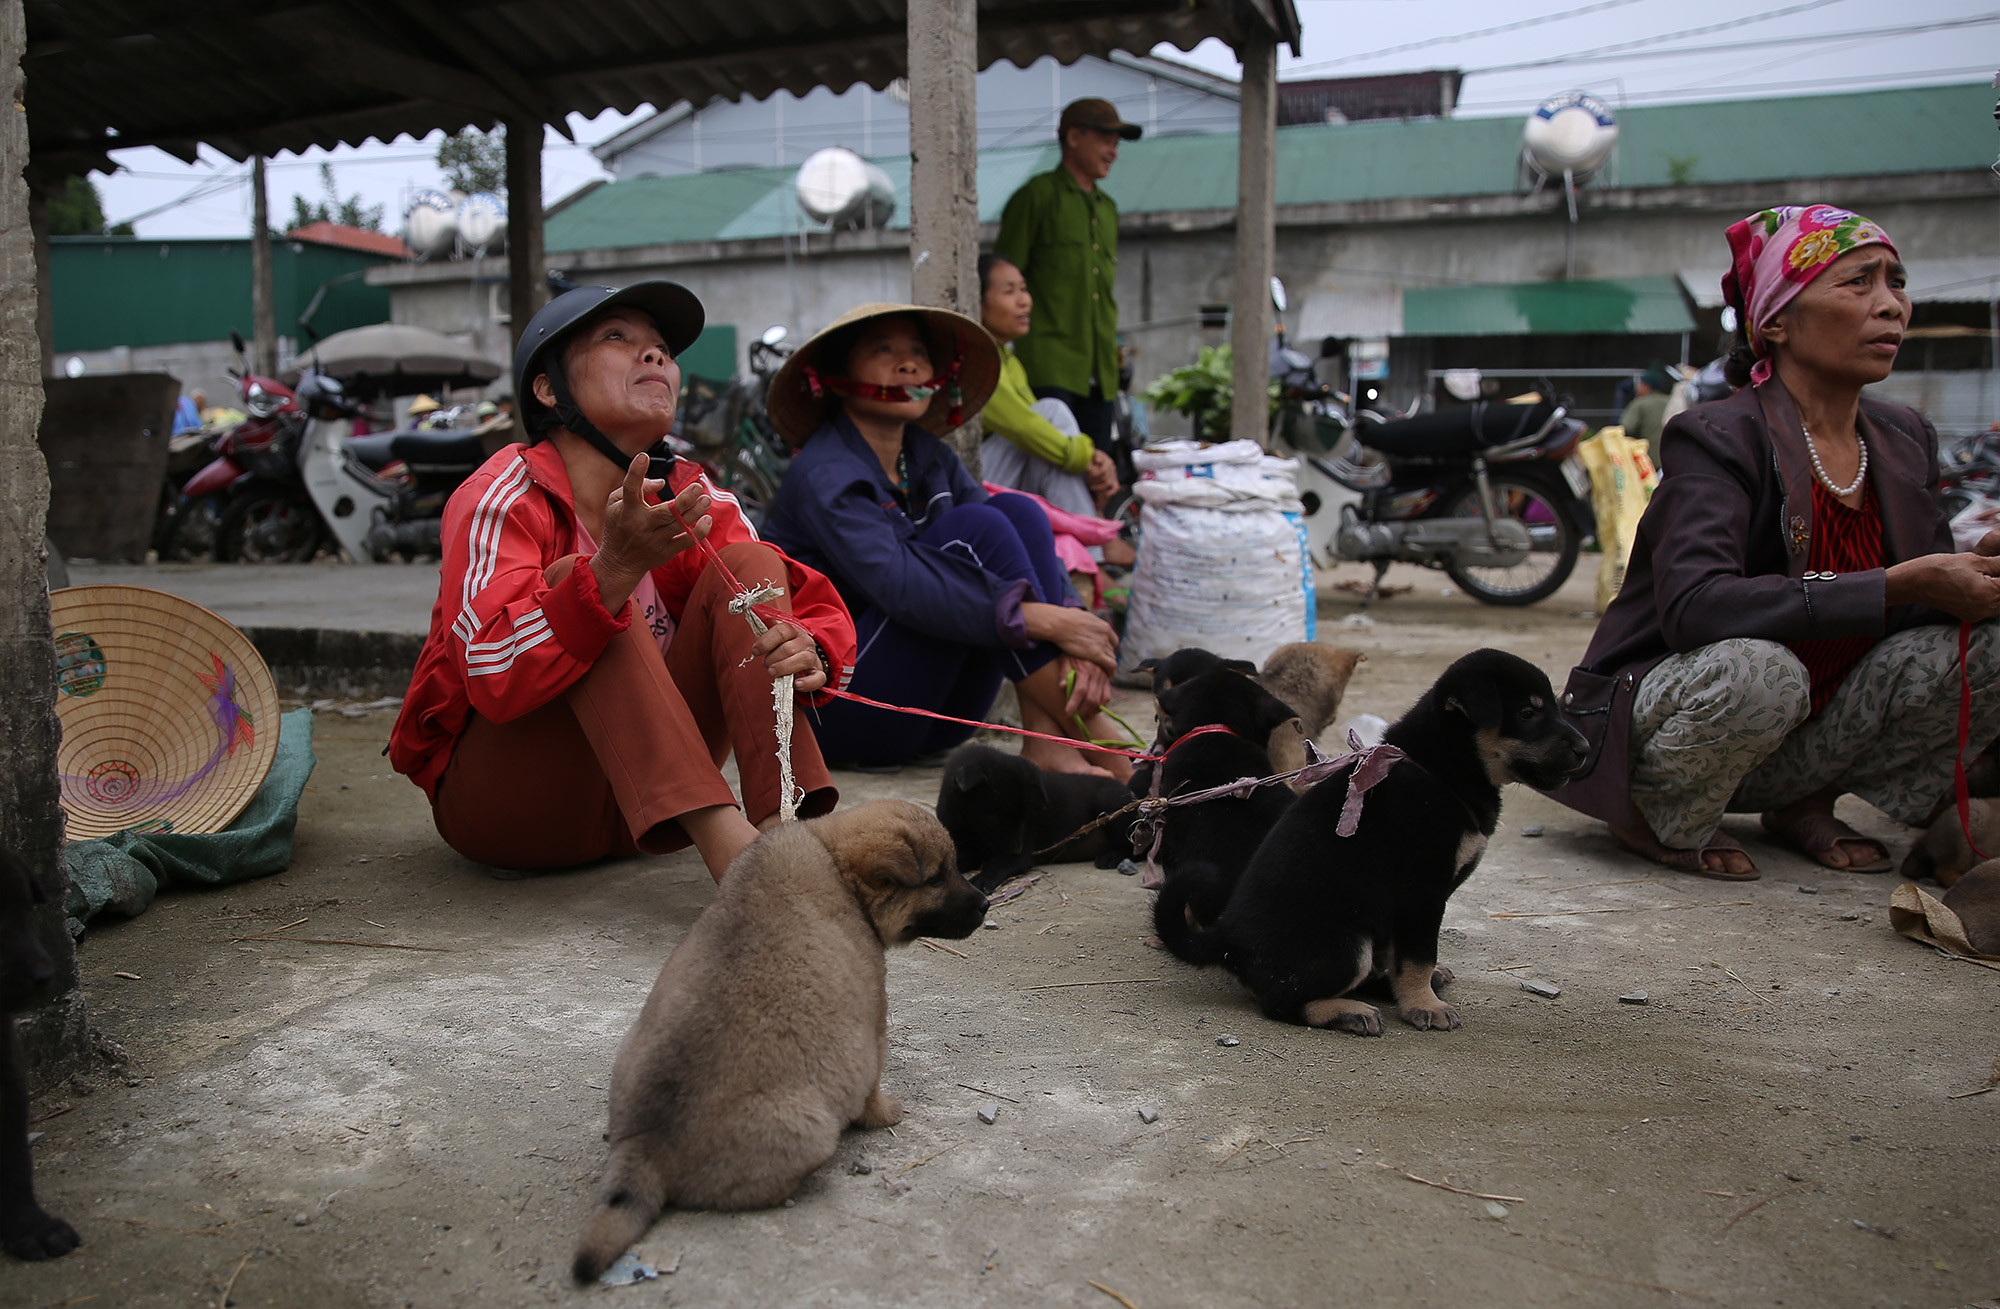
x,y
1204,846
1315,916
25,971
1192,661
1000,809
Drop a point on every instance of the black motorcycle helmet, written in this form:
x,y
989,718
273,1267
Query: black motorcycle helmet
x,y
673,309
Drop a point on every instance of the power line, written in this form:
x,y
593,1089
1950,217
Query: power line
x,y
1635,50
1428,42
209,187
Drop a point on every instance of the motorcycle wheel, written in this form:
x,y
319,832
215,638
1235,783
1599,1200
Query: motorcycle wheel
x,y
743,476
191,532
1551,556
269,527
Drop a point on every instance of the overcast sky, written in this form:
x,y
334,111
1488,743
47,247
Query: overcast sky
x,y
1514,53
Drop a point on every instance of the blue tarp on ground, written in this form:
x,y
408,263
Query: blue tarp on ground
x,y
122,873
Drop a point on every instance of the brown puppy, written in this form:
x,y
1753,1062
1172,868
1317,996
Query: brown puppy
x,y
1975,898
766,1031
1311,678
1942,852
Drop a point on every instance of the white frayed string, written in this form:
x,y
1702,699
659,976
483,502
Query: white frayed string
x,y
781,701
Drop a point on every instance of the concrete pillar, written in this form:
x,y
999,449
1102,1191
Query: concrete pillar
x,y
527,273
30,807
944,168
1250,323
263,310
45,322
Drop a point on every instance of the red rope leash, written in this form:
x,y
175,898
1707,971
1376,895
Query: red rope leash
x,y
1964,791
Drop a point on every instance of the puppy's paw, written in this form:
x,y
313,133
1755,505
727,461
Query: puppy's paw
x,y
38,1235
1440,975
881,1110
1344,1015
1432,1016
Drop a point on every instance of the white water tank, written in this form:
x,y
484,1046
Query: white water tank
x,y
841,189
482,220
1573,133
430,223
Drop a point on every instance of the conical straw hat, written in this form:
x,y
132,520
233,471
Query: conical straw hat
x,y
797,413
169,714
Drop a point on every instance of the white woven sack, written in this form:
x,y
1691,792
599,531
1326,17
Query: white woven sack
x,y
1237,580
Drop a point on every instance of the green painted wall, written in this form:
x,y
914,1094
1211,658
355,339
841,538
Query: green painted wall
x,y
113,291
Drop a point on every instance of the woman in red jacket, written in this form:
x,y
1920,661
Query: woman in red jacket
x,y
584,678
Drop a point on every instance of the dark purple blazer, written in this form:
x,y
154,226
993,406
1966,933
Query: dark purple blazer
x,y
1722,551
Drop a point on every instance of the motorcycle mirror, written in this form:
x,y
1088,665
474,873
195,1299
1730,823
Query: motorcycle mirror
x,y
1278,294
236,340
774,334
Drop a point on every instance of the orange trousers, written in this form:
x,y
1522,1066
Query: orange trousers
x,y
606,768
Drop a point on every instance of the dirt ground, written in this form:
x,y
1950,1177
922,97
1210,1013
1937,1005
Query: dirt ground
x,y
1783,1122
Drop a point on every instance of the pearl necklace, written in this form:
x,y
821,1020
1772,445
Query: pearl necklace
x,y
1840,492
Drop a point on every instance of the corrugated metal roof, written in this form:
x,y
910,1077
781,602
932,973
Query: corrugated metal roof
x,y
1620,306
290,74
1927,129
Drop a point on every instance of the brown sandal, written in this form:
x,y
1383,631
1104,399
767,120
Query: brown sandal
x,y
1814,834
1689,861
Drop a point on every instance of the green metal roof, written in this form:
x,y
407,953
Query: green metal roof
x,y
1619,306
1869,133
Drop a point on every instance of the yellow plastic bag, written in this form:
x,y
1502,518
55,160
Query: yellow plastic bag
x,y
1621,482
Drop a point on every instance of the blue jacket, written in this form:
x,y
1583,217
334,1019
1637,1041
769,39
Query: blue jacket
x,y
838,511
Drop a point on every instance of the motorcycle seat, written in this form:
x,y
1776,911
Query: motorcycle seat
x,y
418,448
1464,431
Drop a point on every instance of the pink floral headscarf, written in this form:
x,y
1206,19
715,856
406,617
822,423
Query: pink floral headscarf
x,y
1776,253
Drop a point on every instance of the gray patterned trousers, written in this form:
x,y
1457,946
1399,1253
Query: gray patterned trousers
x,y
1723,729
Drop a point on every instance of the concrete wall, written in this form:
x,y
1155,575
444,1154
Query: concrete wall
x,y
1017,106
197,365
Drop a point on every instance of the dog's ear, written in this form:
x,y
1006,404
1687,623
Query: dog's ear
x,y
1170,699
875,844
1273,713
1243,666
1475,698
967,779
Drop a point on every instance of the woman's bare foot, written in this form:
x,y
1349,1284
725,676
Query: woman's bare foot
x,y
1053,758
1719,856
1042,699
1101,728
1810,828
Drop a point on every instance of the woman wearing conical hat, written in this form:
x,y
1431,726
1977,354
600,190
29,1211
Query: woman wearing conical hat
x,y
953,590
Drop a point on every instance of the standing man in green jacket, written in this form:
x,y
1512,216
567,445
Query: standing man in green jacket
x,y
1061,230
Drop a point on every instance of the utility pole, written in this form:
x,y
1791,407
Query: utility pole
x,y
944,169
263,314
1250,324
527,282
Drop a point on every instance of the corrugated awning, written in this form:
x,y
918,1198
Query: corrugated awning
x,y
1622,306
290,74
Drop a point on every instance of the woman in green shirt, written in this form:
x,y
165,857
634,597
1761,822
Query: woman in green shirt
x,y
1034,445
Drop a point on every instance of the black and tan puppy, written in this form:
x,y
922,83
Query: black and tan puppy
x,y
26,1230
1000,810
1204,847
1944,853
765,1033
1317,915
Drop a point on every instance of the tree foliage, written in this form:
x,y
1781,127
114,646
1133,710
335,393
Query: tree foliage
x,y
474,161
349,212
77,210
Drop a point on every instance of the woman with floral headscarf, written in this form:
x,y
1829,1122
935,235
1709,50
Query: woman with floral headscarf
x,y
1788,630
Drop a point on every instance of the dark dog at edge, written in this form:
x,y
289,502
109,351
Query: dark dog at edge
x,y
27,1231
1001,811
1316,916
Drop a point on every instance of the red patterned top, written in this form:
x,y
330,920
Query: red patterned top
x,y
1843,541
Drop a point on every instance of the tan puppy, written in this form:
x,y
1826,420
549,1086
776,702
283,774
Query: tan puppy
x,y
1975,898
766,1031
1311,678
1943,853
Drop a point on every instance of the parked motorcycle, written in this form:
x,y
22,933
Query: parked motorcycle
x,y
246,503
1491,493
